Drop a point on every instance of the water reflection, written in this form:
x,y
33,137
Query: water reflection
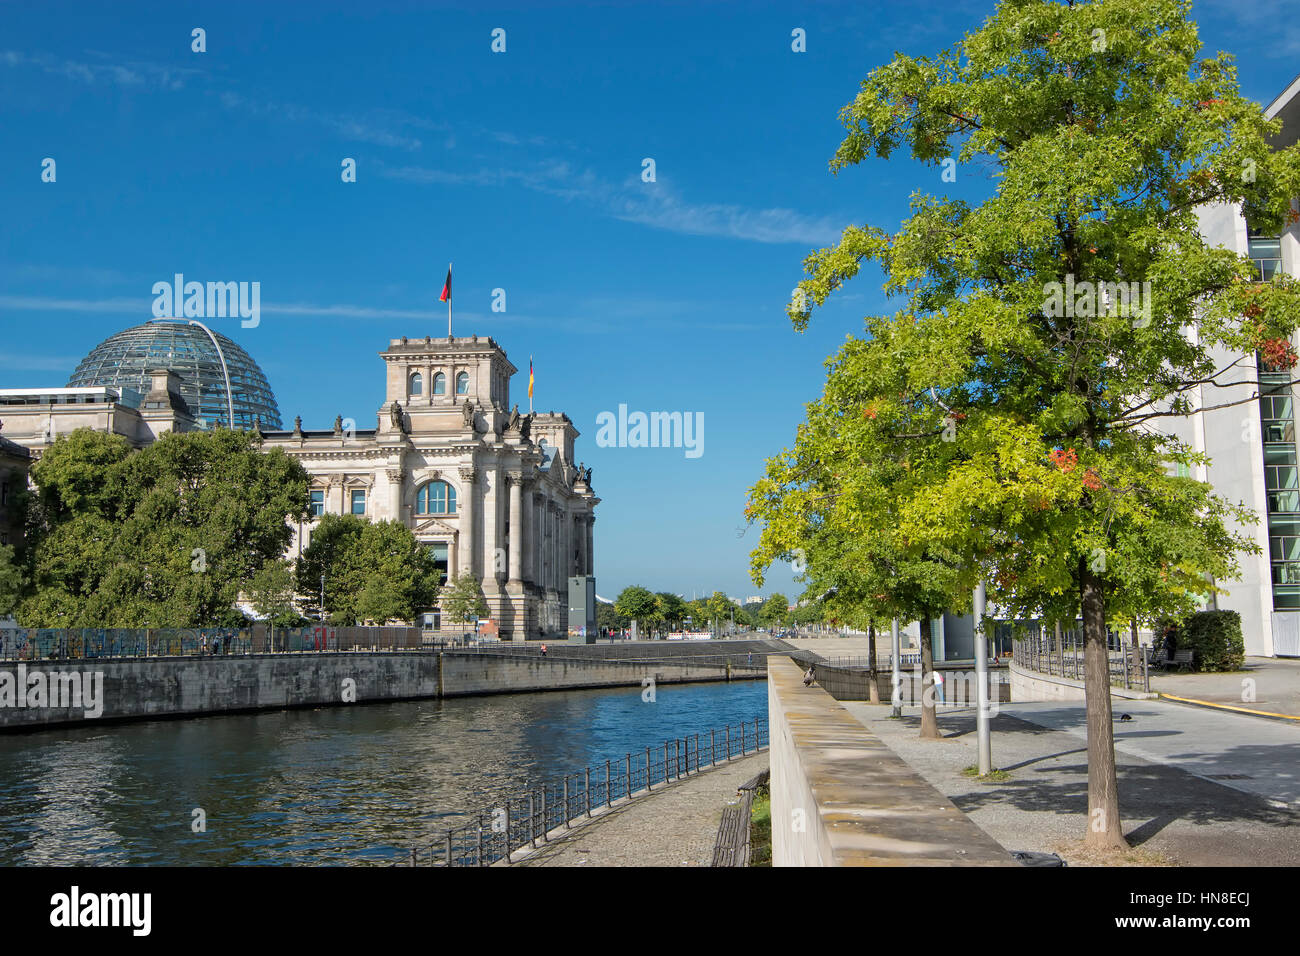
x,y
330,786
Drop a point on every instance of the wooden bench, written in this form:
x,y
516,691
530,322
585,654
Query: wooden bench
x,y
731,848
1182,660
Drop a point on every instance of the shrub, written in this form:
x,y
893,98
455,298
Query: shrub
x,y
1214,638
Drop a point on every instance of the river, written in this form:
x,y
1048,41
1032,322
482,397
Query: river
x,y
333,786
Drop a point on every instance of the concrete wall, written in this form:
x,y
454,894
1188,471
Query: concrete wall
x,y
1027,685
135,689
840,797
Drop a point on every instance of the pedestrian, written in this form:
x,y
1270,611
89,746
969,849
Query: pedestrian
x,y
808,676
543,650
749,658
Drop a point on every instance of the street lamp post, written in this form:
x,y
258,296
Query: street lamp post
x,y
896,679
982,683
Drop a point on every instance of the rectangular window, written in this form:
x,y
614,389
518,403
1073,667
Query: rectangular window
x,y
438,551
317,503
1267,253
358,501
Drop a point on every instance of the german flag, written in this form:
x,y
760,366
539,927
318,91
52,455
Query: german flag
x,y
530,378
446,287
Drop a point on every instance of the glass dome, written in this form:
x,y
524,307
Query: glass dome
x,y
126,359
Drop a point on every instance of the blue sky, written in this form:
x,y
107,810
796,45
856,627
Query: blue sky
x,y
524,167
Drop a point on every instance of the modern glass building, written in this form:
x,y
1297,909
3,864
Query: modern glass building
x,y
125,360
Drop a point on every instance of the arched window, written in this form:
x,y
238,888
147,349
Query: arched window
x,y
462,383
439,384
435,498
417,385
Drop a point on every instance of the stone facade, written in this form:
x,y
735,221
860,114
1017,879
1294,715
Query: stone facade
x,y
497,494
14,462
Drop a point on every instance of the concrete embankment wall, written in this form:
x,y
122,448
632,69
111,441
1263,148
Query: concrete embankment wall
x,y
1029,685
133,689
840,797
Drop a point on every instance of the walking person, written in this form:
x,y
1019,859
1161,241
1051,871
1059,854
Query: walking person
x,y
543,650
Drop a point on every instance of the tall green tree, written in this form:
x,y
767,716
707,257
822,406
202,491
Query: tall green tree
x,y
375,571
775,609
670,609
167,536
271,592
638,605
461,599
1045,331
12,581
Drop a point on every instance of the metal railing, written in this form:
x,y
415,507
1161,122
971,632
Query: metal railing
x,y
29,643
530,820
852,681
1062,656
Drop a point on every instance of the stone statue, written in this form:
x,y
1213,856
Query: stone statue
x,y
399,420
525,426
297,425
467,410
586,476
338,425
513,421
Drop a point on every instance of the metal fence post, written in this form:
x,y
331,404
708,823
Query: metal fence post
x,y
566,801
697,753
627,777
728,741
545,829
532,821
647,768
449,863
480,839
607,796
587,771
507,830
713,748
665,761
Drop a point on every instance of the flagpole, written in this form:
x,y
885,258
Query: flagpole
x,y
530,385
449,295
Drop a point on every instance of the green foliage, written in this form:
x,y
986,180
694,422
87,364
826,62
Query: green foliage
x,y
607,617
375,571
637,604
670,609
12,581
462,599
1214,638
979,429
271,593
165,537
775,609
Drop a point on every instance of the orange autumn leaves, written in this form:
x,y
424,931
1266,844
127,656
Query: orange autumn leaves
x,y
1067,459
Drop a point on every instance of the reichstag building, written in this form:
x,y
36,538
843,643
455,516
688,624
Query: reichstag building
x,y
493,493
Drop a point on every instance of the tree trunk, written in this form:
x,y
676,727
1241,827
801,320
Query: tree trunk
x,y
929,722
1105,830
871,662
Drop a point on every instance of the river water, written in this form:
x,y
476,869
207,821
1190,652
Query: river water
x,y
339,785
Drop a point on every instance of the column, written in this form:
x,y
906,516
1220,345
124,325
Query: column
x,y
395,477
516,527
535,543
591,542
465,505
526,542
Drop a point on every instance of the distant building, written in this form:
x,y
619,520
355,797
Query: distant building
x,y
14,462
492,493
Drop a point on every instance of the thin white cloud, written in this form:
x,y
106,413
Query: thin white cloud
x,y
652,204
126,74
39,363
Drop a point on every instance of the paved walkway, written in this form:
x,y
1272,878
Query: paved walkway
x,y
1197,787
675,826
1273,683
